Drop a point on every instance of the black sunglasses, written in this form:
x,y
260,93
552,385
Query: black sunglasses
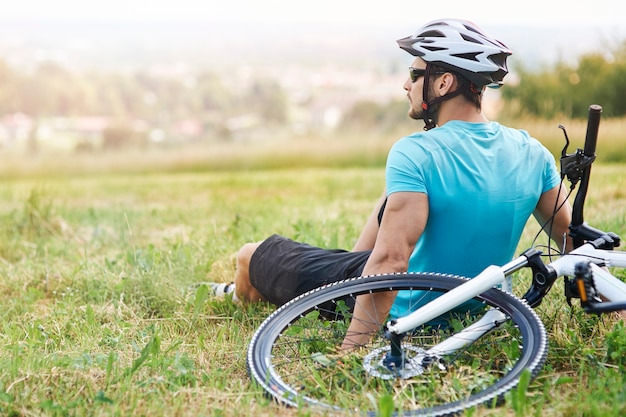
x,y
415,73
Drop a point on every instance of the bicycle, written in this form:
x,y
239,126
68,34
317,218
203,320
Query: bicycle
x,y
427,367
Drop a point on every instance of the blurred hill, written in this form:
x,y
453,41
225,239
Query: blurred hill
x,y
83,85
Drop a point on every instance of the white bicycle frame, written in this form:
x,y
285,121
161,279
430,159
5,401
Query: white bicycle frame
x,y
612,288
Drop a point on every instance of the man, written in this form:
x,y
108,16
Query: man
x,y
464,188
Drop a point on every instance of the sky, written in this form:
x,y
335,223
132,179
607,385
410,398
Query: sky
x,y
536,30
524,12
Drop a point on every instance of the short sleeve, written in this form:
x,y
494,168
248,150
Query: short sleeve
x,y
552,177
405,171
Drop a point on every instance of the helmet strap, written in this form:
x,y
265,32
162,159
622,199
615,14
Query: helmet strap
x,y
474,89
429,122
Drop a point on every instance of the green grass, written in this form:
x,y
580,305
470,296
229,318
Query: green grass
x,y
97,318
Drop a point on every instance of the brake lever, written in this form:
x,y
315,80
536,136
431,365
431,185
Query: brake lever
x,y
573,165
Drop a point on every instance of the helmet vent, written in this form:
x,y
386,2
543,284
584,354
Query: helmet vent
x,y
473,29
469,56
469,38
432,34
499,60
434,48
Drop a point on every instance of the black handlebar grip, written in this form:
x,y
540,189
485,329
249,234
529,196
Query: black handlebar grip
x,y
593,124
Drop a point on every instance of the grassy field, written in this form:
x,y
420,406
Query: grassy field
x,y
96,263
345,149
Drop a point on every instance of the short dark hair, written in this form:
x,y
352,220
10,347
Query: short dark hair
x,y
470,92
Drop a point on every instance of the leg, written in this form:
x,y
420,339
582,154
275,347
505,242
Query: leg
x,y
278,269
243,288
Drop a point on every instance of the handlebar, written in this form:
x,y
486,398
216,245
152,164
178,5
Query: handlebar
x,y
593,125
577,167
577,226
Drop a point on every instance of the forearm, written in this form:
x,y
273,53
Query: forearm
x,y
404,221
555,224
371,310
367,238
369,314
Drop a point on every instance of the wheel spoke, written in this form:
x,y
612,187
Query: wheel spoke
x,y
298,350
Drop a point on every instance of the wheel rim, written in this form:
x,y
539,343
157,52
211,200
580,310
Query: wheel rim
x,y
287,356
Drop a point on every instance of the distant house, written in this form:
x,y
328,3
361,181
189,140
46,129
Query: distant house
x,y
71,133
16,129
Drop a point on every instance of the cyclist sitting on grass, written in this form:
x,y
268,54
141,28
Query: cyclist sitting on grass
x,y
457,196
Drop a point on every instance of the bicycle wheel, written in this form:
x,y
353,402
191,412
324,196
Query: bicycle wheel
x,y
295,354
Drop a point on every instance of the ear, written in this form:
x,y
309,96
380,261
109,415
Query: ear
x,y
446,83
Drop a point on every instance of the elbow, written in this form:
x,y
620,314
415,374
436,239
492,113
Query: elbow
x,y
390,264
400,265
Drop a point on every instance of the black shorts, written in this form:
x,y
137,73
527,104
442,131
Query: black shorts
x,y
281,269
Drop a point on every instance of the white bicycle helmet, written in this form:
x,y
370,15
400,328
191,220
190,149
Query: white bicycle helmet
x,y
460,46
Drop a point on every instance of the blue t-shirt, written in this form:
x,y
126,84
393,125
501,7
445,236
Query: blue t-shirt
x,y
483,182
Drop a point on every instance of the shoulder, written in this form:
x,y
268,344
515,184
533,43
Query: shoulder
x,y
519,134
423,140
523,138
415,149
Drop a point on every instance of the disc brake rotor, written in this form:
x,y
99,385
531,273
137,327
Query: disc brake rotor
x,y
413,366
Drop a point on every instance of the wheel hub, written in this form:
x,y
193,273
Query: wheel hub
x,y
377,363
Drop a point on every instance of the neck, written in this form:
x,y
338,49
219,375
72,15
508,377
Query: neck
x,y
458,108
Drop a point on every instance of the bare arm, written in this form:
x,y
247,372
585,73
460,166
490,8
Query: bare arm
x,y
367,238
404,221
559,229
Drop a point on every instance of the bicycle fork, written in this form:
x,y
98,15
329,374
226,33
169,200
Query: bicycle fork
x,y
396,329
395,360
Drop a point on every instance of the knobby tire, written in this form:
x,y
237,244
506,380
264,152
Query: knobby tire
x,y
294,354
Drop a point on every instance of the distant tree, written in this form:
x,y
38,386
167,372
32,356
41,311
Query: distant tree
x,y
569,89
121,137
267,99
8,83
364,114
616,81
377,117
211,95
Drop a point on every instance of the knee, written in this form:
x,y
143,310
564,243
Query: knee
x,y
244,289
245,253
